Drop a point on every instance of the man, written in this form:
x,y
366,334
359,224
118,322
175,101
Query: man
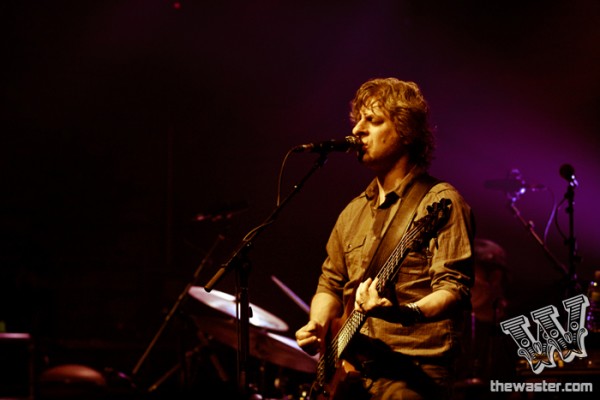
x,y
405,346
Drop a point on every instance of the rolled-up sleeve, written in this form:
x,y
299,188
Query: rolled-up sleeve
x,y
451,253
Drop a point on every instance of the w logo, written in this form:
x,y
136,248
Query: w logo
x,y
551,337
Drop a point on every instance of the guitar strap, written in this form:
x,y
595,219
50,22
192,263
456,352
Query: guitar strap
x,y
402,220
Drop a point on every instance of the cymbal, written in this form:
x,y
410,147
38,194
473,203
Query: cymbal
x,y
268,346
289,354
224,302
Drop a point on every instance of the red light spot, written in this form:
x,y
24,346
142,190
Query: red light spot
x,y
176,5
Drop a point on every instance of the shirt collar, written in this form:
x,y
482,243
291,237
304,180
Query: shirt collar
x,y
372,191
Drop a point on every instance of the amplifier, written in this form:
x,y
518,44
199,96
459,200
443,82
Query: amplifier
x,y
16,366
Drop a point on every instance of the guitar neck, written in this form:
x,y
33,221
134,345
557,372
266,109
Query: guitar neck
x,y
388,272
338,344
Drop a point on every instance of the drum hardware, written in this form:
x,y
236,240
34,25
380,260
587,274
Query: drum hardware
x,y
514,186
178,303
278,362
265,345
174,369
295,298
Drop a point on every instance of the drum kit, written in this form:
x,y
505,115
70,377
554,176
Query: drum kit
x,y
268,343
264,343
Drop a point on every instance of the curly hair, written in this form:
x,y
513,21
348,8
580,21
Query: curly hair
x,y
406,106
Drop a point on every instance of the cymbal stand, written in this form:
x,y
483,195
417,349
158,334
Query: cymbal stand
x,y
176,305
212,358
530,228
239,262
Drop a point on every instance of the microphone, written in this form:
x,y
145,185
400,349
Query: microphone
x,y
345,145
568,172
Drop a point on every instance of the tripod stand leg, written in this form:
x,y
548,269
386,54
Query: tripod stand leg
x,y
212,357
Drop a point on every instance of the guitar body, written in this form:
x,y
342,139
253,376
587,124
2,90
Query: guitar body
x,y
344,384
345,379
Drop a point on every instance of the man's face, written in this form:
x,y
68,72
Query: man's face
x,y
382,145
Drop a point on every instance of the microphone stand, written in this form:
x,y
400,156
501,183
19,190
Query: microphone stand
x,y
573,287
239,262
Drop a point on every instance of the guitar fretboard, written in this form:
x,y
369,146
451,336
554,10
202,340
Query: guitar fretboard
x,y
339,344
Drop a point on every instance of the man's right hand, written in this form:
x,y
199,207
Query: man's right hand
x,y
310,337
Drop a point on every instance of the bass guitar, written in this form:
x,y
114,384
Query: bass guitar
x,y
332,369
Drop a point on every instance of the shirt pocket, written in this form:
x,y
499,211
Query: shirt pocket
x,y
354,252
415,265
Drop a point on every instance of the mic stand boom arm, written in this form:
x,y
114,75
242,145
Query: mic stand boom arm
x,y
239,261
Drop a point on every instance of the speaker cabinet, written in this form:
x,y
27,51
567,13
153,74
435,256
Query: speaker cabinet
x,y
16,366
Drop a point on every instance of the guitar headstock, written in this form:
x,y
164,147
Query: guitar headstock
x,y
428,226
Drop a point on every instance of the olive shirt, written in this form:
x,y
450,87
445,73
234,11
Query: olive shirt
x,y
445,265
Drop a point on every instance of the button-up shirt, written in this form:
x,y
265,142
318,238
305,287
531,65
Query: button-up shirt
x,y
445,264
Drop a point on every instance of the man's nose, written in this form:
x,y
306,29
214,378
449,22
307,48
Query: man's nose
x,y
359,129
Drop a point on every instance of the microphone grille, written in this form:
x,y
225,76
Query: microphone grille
x,y
566,171
353,140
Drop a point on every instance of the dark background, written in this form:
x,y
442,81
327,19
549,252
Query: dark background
x,y
122,120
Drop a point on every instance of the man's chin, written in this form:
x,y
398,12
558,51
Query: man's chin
x,y
365,160
360,156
